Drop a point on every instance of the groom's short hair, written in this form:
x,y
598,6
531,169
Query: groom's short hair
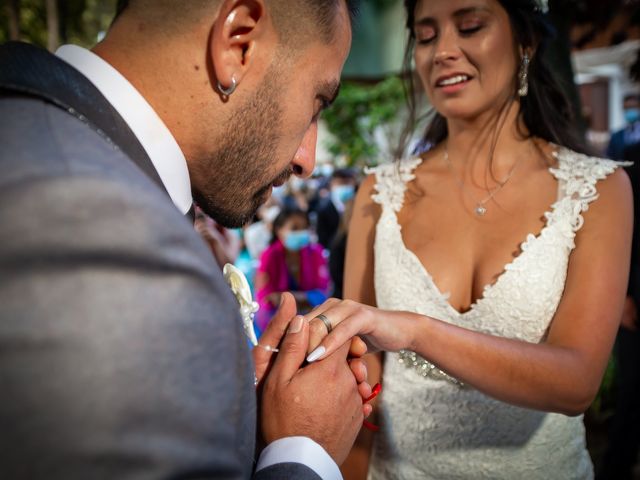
x,y
292,18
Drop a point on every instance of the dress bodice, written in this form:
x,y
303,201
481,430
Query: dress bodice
x,y
434,427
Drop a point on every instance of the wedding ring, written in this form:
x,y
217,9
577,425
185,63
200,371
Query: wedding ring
x,y
268,348
326,321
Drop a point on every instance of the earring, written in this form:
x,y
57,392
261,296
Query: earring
x,y
226,92
524,76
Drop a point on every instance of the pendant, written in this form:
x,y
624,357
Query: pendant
x,y
480,210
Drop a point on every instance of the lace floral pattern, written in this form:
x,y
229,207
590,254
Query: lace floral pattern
x,y
432,426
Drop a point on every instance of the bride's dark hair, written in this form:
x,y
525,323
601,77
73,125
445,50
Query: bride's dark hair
x,y
545,111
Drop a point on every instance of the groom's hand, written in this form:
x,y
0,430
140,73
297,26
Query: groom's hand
x,y
321,401
272,336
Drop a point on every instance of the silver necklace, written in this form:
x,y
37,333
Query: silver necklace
x,y
480,209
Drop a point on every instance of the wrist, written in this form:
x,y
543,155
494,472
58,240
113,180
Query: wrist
x,y
416,330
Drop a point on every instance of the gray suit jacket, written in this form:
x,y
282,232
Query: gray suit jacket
x,y
122,351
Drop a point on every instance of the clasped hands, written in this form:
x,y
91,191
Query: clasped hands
x,y
323,400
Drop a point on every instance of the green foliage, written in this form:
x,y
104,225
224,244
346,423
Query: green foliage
x,y
81,21
359,112
383,4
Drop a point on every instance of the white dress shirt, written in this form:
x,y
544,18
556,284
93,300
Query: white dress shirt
x,y
146,125
171,165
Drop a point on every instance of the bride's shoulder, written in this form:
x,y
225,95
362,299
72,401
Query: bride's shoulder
x,y
397,168
588,177
575,164
385,183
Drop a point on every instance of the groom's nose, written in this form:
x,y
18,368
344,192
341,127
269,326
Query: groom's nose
x,y
304,160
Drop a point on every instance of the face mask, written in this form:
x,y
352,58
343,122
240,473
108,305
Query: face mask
x,y
270,214
296,183
342,193
297,239
632,115
313,184
279,193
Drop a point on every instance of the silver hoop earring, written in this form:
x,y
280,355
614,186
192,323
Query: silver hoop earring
x,y
228,91
523,91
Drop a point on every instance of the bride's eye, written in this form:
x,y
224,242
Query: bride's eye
x,y
470,27
425,34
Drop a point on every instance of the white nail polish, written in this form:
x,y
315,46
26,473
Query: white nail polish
x,y
316,354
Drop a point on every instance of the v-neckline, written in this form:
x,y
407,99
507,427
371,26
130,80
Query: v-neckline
x,y
525,245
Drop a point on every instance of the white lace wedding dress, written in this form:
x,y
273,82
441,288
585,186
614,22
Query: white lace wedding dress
x,y
434,428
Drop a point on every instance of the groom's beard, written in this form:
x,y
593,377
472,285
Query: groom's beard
x,y
235,177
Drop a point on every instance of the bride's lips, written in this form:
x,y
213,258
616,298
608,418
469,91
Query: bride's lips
x,y
453,82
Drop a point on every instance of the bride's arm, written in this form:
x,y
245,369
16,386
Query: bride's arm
x,y
563,373
358,286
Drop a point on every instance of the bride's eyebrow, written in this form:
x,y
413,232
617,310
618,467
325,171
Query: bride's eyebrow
x,y
463,12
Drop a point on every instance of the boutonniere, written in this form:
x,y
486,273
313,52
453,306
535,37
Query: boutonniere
x,y
248,308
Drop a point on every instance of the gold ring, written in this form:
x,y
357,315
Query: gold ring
x,y
326,321
268,348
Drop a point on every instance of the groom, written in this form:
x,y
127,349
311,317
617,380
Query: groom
x,y
123,354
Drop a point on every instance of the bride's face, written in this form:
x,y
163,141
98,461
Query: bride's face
x,y
465,55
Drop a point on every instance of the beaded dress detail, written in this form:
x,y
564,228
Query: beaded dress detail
x,y
433,427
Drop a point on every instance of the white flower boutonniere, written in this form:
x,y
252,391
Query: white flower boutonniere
x,y
248,308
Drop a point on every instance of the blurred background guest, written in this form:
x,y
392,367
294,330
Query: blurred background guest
x,y
337,251
224,243
343,188
297,194
291,263
257,236
630,135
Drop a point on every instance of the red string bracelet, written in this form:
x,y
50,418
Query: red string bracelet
x,y
375,391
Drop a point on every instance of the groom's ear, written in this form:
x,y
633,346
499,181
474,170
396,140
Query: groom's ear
x,y
242,34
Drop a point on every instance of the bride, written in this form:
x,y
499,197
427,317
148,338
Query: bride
x,y
499,258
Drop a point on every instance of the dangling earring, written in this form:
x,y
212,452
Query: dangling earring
x,y
524,76
226,92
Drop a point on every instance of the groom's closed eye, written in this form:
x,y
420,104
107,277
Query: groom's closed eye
x,y
327,94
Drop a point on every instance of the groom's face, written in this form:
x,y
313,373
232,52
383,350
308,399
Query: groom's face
x,y
273,134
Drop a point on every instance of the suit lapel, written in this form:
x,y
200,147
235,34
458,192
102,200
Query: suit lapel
x,y
32,71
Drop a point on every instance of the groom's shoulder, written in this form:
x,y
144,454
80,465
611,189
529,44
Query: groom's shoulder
x,y
41,140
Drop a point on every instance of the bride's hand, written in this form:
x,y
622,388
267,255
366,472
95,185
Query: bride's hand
x,y
380,329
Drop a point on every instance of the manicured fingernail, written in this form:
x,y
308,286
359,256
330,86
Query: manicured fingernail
x,y
316,354
281,300
296,324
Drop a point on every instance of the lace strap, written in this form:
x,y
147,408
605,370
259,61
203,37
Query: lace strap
x,y
579,174
391,182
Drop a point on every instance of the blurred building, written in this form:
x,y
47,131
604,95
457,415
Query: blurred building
x,y
605,57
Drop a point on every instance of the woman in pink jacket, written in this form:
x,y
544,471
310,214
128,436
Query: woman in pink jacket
x,y
292,263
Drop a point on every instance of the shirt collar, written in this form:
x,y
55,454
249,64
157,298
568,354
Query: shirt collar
x,y
146,125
